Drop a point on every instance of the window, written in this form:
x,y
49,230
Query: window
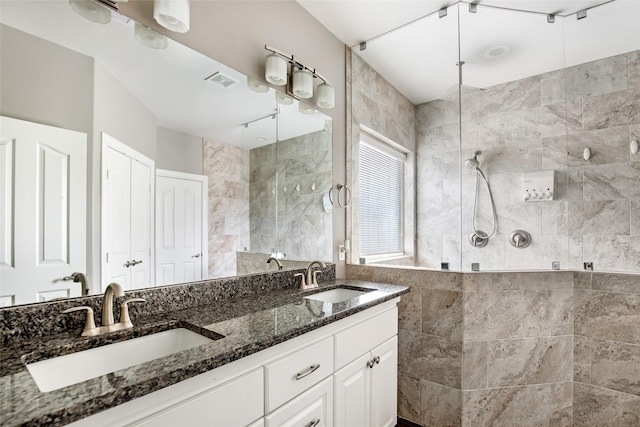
x,y
382,170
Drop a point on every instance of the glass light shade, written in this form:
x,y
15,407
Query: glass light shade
x,y
256,86
326,96
283,99
173,15
305,109
149,37
91,10
276,70
302,84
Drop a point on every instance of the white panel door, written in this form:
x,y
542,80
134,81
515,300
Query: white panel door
x,y
43,178
384,384
352,394
127,216
116,217
181,227
141,225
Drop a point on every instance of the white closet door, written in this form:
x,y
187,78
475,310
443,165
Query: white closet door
x,y
180,227
116,221
141,225
43,178
127,216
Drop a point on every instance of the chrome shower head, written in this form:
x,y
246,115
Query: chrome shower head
x,y
473,163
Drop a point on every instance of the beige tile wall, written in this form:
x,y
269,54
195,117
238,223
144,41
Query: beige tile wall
x,y
531,348
538,123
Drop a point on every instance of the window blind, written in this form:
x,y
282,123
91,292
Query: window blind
x,y
381,200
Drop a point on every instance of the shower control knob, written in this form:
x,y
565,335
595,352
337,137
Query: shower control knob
x,y
534,195
548,194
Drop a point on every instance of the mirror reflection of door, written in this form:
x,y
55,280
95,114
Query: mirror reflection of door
x,y
181,227
43,207
127,216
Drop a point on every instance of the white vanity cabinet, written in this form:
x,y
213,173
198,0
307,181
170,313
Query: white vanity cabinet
x,y
365,389
342,374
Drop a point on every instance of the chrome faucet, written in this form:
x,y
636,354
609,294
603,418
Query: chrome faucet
x,y
277,261
108,324
310,274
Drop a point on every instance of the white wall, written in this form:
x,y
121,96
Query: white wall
x,y
179,151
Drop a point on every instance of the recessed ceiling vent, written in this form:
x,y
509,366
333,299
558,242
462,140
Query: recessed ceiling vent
x,y
113,4
221,79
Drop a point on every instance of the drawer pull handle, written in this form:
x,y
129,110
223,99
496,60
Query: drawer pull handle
x,y
309,371
314,423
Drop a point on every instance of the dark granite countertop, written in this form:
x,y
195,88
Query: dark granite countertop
x,y
248,325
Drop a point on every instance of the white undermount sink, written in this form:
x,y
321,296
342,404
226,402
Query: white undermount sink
x,y
62,371
336,295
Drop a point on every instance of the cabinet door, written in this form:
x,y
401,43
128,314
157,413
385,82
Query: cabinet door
x,y
352,394
314,408
236,403
384,384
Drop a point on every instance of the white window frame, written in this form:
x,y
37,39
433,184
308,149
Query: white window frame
x,y
392,149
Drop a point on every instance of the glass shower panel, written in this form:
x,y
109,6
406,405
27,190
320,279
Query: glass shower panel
x,y
412,110
513,123
602,82
304,166
259,165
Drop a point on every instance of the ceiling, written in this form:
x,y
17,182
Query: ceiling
x,y
171,82
417,51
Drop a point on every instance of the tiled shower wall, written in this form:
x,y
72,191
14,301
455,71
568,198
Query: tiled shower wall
x,y
483,349
304,176
538,123
227,168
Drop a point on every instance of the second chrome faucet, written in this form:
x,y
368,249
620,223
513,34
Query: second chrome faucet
x,y
108,323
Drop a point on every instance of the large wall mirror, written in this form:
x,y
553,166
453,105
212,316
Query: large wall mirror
x,y
259,160
513,98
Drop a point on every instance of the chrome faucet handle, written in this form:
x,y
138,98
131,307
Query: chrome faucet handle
x,y
303,283
125,320
89,323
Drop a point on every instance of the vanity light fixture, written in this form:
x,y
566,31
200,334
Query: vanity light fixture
x,y
91,10
149,37
256,86
173,15
326,96
283,69
283,99
305,109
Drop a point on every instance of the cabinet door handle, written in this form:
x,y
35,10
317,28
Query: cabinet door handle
x,y
127,264
370,363
314,423
377,359
309,371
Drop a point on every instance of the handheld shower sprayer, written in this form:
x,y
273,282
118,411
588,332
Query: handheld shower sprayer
x,y
473,163
479,238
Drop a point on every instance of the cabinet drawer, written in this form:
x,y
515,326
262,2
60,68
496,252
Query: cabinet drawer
x,y
235,403
362,337
312,408
296,372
